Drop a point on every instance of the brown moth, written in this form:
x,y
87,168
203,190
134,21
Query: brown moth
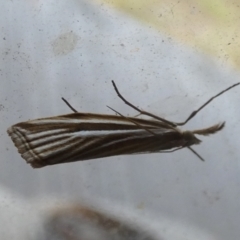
x,y
85,136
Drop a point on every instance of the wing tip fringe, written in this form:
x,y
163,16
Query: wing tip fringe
x,y
23,150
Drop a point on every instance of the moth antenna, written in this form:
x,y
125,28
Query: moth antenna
x,y
206,103
210,130
69,105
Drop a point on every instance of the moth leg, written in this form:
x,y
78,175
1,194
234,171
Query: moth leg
x,y
170,151
194,152
139,110
205,104
130,120
69,105
176,149
137,115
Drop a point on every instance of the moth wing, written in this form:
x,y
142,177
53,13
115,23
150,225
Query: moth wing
x,y
77,137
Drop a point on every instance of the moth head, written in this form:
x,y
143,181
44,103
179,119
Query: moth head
x,y
190,138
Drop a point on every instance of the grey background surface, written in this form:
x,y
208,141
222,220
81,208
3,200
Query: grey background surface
x,y
73,49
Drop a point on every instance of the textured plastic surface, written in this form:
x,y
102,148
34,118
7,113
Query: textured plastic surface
x,y
73,49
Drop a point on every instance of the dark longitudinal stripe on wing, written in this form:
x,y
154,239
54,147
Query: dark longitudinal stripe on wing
x,y
91,148
129,144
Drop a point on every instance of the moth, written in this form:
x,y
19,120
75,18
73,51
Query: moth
x,y
85,136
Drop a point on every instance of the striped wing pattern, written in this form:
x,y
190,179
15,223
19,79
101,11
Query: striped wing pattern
x,y
84,136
